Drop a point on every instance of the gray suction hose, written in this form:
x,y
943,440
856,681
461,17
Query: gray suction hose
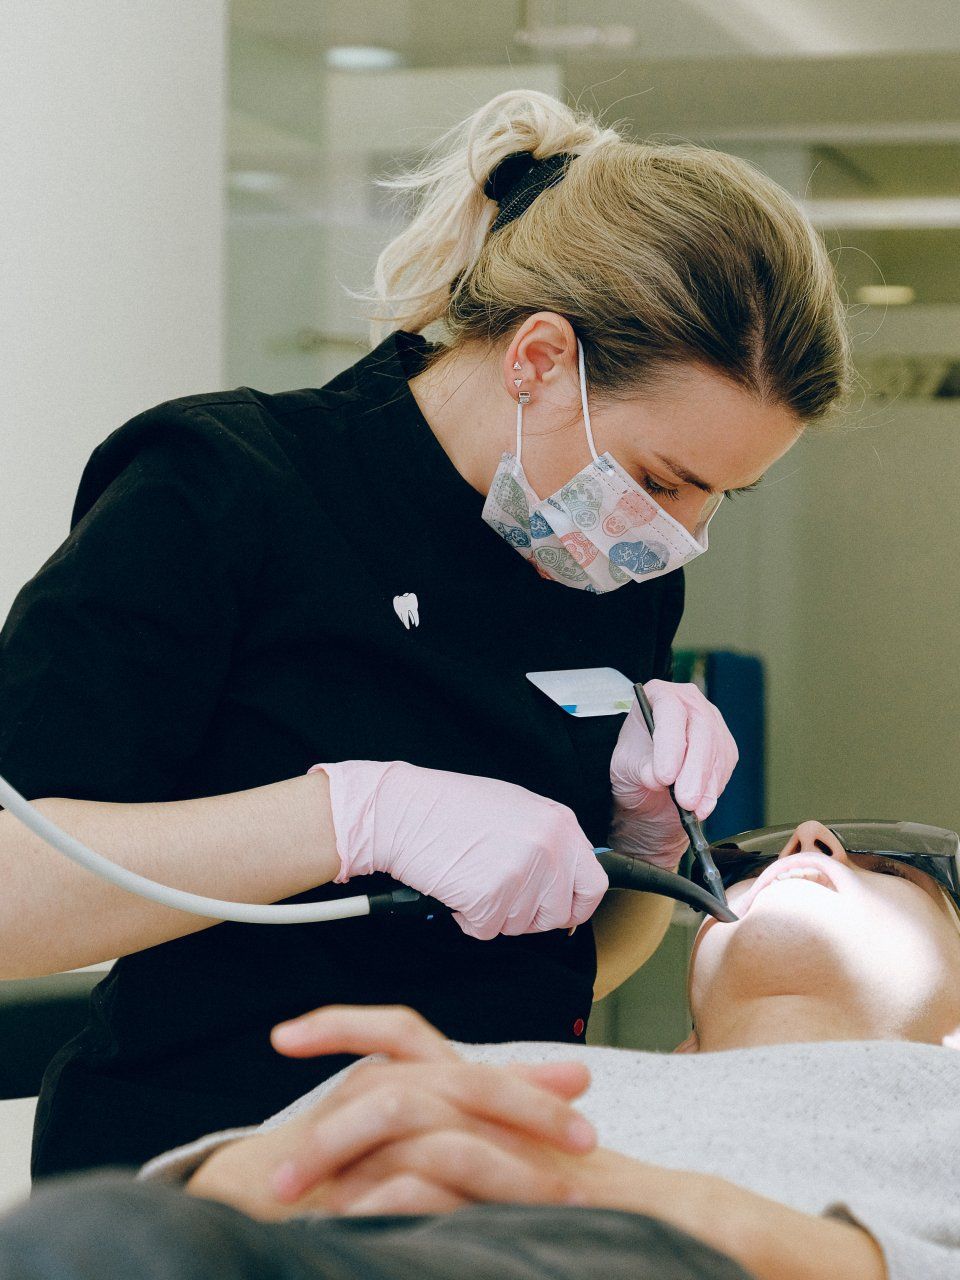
x,y
194,903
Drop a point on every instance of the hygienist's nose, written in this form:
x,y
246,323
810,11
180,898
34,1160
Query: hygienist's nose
x,y
813,837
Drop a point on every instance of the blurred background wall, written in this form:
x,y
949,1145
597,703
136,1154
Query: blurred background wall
x,y
112,124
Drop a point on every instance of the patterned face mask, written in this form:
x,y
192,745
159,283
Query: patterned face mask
x,y
600,531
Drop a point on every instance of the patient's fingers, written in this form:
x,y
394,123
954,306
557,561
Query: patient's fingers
x,y
342,1028
405,1193
400,1101
471,1167
354,1130
566,1079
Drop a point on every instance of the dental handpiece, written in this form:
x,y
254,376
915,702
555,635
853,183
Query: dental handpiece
x,y
691,823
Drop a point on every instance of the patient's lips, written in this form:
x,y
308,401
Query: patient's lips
x,y
798,866
806,873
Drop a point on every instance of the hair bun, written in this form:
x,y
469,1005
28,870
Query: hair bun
x,y
507,173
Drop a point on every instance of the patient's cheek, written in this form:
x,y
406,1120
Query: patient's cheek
x,y
705,958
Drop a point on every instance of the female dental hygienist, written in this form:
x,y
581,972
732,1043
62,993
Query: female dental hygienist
x,y
363,576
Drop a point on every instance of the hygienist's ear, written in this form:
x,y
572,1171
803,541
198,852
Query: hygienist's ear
x,y
690,1045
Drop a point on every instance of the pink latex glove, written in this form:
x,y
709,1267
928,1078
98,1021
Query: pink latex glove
x,y
504,859
691,748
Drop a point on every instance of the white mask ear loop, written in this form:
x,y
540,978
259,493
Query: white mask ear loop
x,y
583,401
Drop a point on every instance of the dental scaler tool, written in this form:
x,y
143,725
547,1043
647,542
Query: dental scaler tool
x,y
691,825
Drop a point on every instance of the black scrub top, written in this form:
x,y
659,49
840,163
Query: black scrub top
x,y
222,616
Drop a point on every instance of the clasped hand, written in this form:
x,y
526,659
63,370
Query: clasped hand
x,y
417,1131
425,1132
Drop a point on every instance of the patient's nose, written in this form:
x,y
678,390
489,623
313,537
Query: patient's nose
x,y
813,837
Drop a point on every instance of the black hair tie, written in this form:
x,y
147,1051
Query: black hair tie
x,y
518,179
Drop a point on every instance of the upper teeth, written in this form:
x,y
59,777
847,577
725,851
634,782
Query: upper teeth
x,y
804,873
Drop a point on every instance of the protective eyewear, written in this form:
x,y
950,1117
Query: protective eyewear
x,y
932,850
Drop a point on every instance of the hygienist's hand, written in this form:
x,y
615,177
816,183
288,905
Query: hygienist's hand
x,y
504,859
691,748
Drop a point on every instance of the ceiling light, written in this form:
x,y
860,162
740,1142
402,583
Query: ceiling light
x,y
571,36
362,57
885,295
901,213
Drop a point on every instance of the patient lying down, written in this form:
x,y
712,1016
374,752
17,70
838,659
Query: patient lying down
x,y
810,1127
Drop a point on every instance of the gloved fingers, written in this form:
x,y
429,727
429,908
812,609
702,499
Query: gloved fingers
x,y
725,761
590,883
571,899
631,766
698,762
659,839
551,912
706,806
713,790
729,750
483,930
671,720
648,777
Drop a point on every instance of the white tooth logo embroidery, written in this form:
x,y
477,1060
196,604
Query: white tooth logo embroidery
x,y
407,609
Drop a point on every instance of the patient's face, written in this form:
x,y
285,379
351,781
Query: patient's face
x,y
878,937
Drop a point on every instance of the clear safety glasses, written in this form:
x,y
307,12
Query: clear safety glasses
x,y
932,850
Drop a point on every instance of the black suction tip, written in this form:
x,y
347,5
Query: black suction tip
x,y
634,873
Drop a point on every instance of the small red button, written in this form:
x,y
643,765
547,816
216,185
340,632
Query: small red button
x,y
578,1027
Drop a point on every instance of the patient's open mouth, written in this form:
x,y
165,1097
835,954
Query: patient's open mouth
x,y
803,873
790,870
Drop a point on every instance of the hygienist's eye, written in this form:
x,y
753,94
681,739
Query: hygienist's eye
x,y
659,490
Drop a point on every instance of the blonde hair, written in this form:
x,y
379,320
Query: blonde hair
x,y
656,254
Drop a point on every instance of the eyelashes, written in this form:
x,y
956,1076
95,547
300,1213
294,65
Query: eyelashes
x,y
747,488
888,868
671,495
659,490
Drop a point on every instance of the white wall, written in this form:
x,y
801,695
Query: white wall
x,y
843,572
111,231
111,176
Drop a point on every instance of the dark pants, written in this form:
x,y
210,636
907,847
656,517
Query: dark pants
x,y
106,1226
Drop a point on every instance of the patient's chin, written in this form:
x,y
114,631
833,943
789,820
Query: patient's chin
x,y
776,925
778,940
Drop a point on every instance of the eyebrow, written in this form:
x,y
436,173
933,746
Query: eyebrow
x,y
688,477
